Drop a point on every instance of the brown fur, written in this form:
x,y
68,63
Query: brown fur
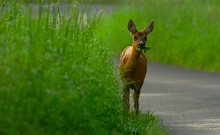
x,y
133,64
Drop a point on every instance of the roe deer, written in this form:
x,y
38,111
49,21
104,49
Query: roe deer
x,y
133,64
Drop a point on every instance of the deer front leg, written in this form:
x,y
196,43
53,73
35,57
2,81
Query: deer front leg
x,y
126,99
136,96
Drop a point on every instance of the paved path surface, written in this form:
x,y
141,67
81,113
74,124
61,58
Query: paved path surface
x,y
186,101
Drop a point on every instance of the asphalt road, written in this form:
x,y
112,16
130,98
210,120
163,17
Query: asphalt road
x,y
187,102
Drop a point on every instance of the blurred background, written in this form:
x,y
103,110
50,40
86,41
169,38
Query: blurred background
x,y
186,32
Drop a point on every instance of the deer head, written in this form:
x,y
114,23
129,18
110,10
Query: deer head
x,y
140,38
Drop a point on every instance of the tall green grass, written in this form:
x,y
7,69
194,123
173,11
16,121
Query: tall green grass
x,y
70,1
186,32
56,76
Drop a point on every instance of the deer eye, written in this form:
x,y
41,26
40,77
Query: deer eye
x,y
135,37
145,38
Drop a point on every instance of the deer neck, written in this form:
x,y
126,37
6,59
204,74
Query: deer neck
x,y
133,59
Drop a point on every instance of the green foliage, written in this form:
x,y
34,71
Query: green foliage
x,y
57,77
186,32
143,123
70,1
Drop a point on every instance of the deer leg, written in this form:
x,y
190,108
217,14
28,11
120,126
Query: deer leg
x,y
126,99
136,96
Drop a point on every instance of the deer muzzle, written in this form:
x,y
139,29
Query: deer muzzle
x,y
141,45
144,47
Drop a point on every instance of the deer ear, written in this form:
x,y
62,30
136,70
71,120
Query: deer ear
x,y
149,28
132,27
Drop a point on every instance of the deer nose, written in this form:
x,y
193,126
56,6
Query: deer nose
x,y
141,45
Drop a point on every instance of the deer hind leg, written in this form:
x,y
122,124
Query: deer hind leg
x,y
136,96
126,99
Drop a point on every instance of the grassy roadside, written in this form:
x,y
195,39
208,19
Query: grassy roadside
x,y
186,32
71,1
56,77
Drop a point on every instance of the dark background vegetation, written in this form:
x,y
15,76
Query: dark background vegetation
x,y
186,32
